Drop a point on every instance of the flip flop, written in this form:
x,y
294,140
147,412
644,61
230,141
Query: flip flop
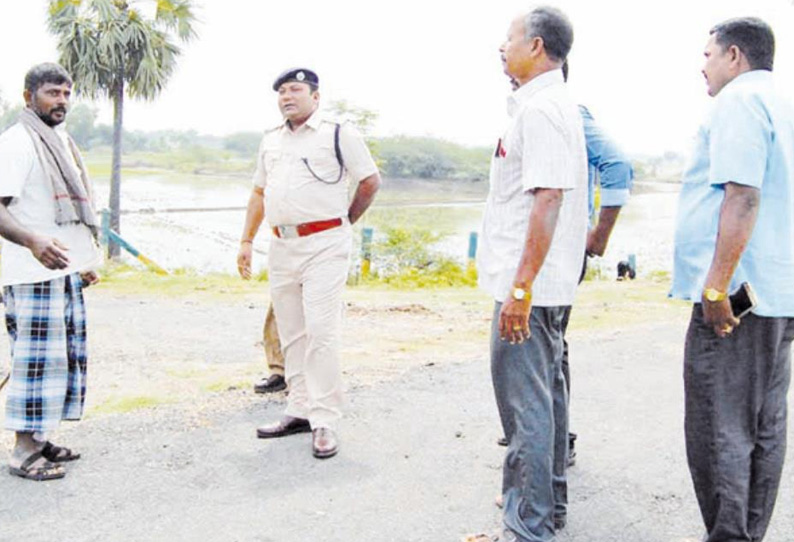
x,y
47,471
58,454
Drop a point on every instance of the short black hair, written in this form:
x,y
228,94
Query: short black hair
x,y
48,72
553,26
565,69
752,36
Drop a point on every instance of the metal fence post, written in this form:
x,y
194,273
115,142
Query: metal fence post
x,y
472,249
366,251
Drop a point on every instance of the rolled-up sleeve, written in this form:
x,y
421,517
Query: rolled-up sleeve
x,y
615,172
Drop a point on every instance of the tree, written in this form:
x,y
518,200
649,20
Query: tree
x,y
111,47
81,121
8,114
363,119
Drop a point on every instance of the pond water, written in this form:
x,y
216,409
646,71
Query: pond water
x,y
208,241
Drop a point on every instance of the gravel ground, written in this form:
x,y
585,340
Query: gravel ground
x,y
418,459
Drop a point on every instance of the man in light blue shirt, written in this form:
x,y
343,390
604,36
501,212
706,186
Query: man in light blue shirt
x,y
736,224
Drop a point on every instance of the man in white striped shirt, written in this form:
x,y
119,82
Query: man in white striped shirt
x,y
533,238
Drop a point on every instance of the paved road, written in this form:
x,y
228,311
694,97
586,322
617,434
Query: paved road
x,y
418,463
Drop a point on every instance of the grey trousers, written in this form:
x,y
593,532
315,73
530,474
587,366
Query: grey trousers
x,y
533,404
735,422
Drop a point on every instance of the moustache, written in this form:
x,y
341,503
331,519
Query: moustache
x,y
58,109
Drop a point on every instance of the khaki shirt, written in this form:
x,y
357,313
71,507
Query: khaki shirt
x,y
292,194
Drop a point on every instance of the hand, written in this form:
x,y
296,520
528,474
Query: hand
x,y
514,321
50,252
89,278
719,315
244,260
596,243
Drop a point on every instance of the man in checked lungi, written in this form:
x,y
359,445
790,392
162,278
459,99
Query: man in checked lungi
x,y
47,219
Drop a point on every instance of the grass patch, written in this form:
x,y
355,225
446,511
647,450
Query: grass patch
x,y
620,304
126,405
126,279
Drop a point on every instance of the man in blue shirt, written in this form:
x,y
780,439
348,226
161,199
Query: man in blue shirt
x,y
609,171
735,224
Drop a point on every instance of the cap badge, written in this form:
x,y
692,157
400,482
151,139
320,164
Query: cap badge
x,y
300,76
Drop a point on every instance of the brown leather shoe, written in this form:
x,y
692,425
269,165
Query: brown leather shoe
x,y
285,426
271,384
324,443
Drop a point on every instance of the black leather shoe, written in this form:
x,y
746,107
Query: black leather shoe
x,y
285,426
502,441
271,384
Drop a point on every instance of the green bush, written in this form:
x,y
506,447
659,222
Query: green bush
x,y
405,259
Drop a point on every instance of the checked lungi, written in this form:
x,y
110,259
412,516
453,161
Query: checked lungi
x,y
47,332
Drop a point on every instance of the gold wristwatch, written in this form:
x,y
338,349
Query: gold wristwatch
x,y
714,295
519,294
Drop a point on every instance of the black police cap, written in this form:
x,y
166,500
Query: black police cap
x,y
301,75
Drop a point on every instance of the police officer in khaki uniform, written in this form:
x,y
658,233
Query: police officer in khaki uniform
x,y
303,171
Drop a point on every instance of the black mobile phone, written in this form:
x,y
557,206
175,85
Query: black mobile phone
x,y
743,300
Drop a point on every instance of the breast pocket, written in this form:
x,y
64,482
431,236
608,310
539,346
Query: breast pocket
x,y
272,160
276,163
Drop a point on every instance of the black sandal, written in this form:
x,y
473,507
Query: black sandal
x,y
47,471
58,454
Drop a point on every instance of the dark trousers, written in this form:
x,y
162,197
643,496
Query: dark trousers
x,y
736,422
532,402
566,369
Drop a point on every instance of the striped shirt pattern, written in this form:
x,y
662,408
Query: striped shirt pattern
x,y
542,147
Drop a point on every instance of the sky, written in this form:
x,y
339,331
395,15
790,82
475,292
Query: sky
x,y
427,67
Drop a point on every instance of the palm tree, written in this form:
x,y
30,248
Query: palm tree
x,y
111,46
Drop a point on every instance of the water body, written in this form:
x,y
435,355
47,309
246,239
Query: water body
x,y
208,241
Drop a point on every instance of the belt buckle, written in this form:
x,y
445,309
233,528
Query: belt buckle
x,y
287,232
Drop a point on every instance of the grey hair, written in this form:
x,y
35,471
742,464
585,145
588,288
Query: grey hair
x,y
48,72
554,27
752,36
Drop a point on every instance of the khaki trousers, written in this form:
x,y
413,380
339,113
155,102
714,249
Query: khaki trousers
x,y
307,280
273,353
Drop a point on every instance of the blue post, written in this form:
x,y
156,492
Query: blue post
x,y
366,251
472,245
472,250
633,265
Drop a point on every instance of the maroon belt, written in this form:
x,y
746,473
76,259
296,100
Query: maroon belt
x,y
307,228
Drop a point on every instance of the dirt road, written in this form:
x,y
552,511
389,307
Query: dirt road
x,y
169,450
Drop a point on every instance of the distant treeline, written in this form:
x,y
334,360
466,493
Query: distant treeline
x,y
399,157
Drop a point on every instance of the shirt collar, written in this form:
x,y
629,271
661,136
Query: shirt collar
x,y
312,122
752,75
532,87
